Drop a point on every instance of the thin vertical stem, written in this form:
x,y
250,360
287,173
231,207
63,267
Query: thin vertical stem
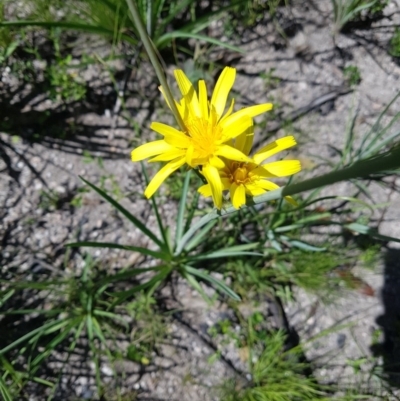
x,y
149,47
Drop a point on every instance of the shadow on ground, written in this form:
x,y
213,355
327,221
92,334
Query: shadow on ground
x,y
389,322
61,126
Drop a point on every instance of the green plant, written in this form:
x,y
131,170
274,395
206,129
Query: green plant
x,y
378,7
111,18
149,331
270,80
276,374
394,44
348,10
63,81
352,75
80,307
169,255
49,200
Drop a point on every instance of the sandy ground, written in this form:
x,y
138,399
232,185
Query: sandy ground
x,y
306,67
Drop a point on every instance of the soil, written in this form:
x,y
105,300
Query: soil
x,y
302,74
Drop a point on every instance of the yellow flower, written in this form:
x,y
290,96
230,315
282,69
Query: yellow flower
x,y
208,136
252,178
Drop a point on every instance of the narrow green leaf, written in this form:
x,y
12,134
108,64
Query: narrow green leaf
x,y
136,222
10,49
111,316
6,296
166,38
195,241
362,229
193,229
89,327
32,285
192,210
49,348
182,208
123,295
237,250
127,274
374,150
99,333
76,26
161,227
363,147
303,245
349,15
40,330
6,396
221,286
144,251
51,312
196,285
43,382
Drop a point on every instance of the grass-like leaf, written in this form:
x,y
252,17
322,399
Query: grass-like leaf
x,y
76,26
237,250
123,295
219,285
49,348
144,251
362,229
6,395
47,328
163,230
182,208
198,238
127,214
166,38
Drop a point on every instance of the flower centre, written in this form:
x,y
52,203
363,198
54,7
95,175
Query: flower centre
x,y
205,134
239,173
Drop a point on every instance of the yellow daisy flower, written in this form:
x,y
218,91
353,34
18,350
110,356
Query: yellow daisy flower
x,y
208,136
252,178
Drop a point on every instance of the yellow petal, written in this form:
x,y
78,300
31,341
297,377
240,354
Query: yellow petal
x,y
172,136
189,155
188,92
226,182
162,175
291,201
205,190
203,99
260,172
164,129
214,180
251,112
180,141
283,168
181,109
231,153
266,185
216,162
238,195
229,112
273,148
222,89
244,141
150,149
240,127
270,186
167,156
254,190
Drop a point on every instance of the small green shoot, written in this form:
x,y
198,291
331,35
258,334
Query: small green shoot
x,y
352,75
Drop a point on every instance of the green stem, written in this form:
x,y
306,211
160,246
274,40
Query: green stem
x,y
362,169
149,47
